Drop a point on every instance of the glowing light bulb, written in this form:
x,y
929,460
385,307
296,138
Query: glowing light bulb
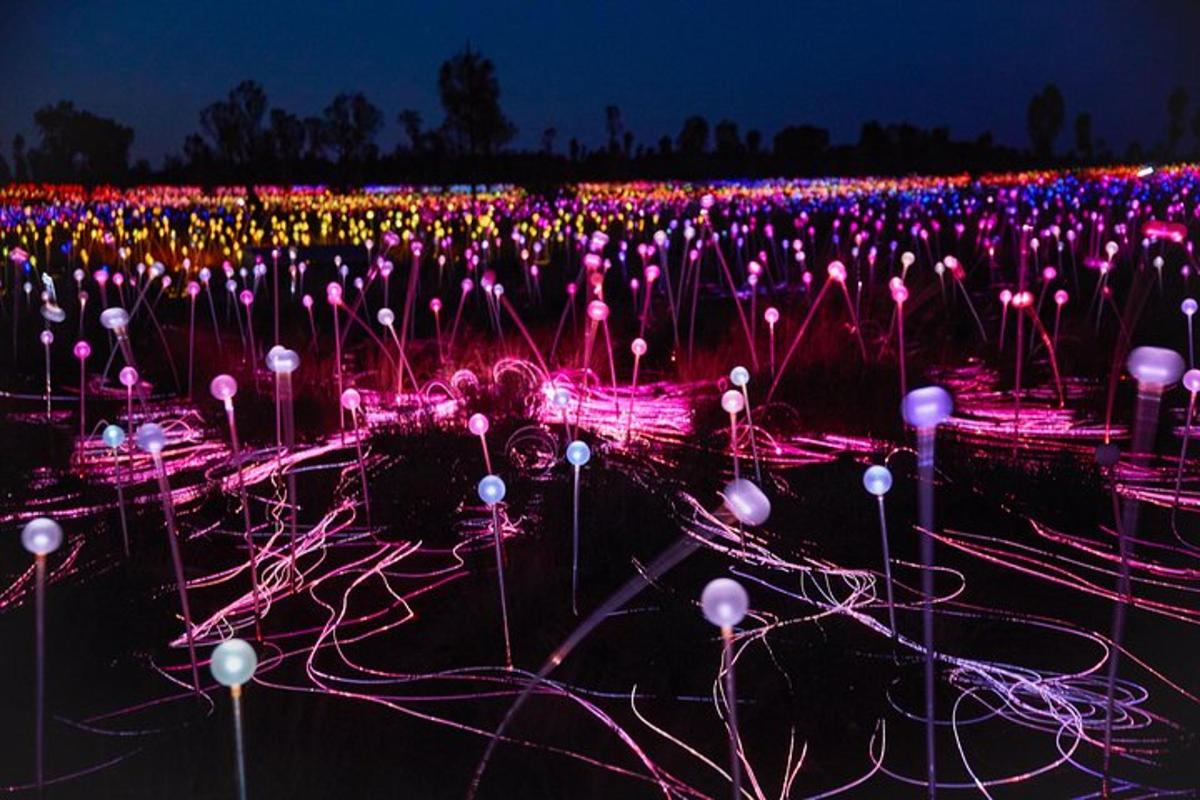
x,y
724,602
128,376
733,402
478,424
113,436
1154,368
151,438
491,489
578,453
233,662
114,319
877,480
41,536
739,376
927,407
351,400
746,502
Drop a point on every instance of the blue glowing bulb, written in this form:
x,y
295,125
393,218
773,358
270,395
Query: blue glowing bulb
x,y
233,662
578,453
877,480
491,489
113,436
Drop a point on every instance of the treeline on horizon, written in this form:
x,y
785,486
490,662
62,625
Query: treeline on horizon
x,y
242,140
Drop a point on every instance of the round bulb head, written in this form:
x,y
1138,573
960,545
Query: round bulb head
x,y
282,361
151,438
724,602
1188,306
491,489
233,662
114,319
351,400
733,402
223,387
386,317
739,376
478,424
41,536
1155,368
113,436
128,376
747,502
1191,380
927,407
877,480
578,453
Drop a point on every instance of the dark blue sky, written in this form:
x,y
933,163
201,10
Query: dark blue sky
x,y
971,65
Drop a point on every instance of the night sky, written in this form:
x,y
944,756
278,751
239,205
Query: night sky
x,y
970,65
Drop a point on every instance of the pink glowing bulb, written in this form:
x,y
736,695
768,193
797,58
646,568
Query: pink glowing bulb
x,y
597,311
100,276
899,294
333,293
223,388
82,350
837,271
1061,297
435,305
754,268
771,315
193,289
307,301
467,285
478,424
638,346
651,274
1006,296
1049,274
351,400
46,337
118,279
247,297
128,376
733,402
1022,300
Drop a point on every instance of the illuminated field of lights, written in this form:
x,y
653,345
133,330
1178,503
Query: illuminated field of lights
x,y
345,420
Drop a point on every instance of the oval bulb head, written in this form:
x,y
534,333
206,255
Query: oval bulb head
x,y
724,602
386,317
82,350
771,315
927,407
746,502
578,453
739,376
46,337
41,536
114,319
113,436
733,402
877,480
233,662
128,376
1188,306
638,347
282,361
1191,380
492,489
223,388
151,438
1154,368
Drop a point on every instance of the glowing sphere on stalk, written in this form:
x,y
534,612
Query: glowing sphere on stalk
x,y
223,387
282,361
638,347
1191,380
151,438
733,402
386,317
233,662
114,319
1154,367
128,376
53,313
724,602
333,293
597,311
351,400
113,436
246,297
1188,306
46,338
1061,297
877,480
478,424
746,502
578,453
492,489
739,376
771,315
82,350
837,271
41,536
435,305
927,407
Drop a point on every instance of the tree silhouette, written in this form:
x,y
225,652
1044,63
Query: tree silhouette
x,y
725,135
799,147
1045,119
1177,104
410,120
548,136
613,128
78,145
20,161
693,137
234,125
1083,136
286,136
351,124
753,141
470,94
